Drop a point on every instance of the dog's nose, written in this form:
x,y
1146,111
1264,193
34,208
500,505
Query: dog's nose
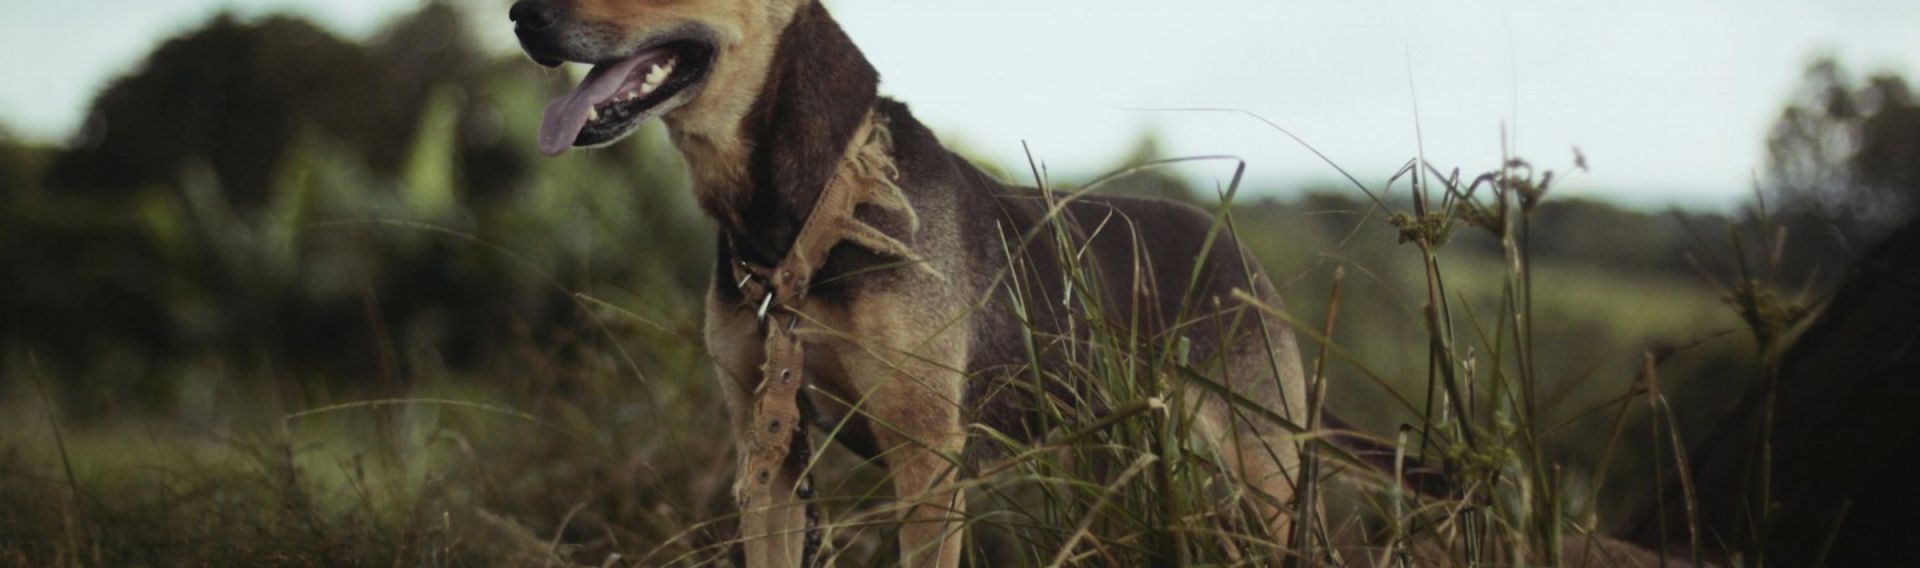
x,y
533,15
534,22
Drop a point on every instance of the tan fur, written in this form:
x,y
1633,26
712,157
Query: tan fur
x,y
902,361
707,129
1265,457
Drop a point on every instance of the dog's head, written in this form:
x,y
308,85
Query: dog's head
x,y
701,60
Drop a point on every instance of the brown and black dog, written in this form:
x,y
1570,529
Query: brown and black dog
x,y
914,325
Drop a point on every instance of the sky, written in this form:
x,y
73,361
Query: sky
x,y
1669,101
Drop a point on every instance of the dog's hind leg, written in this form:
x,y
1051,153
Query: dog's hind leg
x,y
1263,366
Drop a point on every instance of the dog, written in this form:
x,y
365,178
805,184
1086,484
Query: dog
x,y
934,286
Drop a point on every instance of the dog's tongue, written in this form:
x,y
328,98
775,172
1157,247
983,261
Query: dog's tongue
x,y
566,115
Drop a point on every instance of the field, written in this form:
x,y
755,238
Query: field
x,y
410,341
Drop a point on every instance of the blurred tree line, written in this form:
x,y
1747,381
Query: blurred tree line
x,y
1843,166
265,200
1846,148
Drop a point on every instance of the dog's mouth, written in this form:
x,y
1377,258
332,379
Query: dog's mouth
x,y
618,95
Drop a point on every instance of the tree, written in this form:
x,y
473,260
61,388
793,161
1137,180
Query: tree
x,y
232,95
1847,153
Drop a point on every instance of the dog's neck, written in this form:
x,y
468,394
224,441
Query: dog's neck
x,y
760,176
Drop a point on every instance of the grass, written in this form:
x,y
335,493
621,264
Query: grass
x,y
482,357
603,443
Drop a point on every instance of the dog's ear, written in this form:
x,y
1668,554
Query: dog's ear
x,y
819,88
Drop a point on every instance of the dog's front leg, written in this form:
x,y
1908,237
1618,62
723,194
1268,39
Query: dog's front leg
x,y
913,404
773,534
922,449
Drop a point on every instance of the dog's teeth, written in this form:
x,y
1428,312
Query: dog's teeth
x,y
593,114
631,95
655,76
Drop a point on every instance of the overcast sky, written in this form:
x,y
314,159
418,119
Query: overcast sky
x,y
1669,100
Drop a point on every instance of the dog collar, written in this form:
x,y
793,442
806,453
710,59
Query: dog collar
x,y
776,432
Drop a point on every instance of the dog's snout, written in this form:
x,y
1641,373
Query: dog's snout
x,y
533,15
534,22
